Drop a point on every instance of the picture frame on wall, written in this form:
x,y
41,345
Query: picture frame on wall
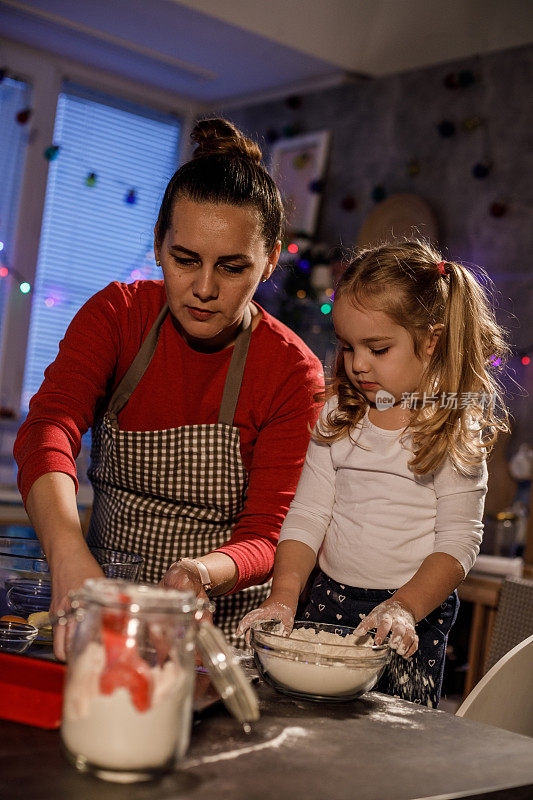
x,y
298,166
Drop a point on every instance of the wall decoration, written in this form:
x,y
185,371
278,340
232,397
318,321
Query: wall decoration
x,y
299,185
400,216
472,123
291,130
293,102
349,203
378,193
23,116
498,209
481,170
446,128
51,152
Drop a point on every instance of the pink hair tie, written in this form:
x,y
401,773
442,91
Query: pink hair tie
x,y
441,266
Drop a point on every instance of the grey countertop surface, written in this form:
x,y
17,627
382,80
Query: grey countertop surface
x,y
374,748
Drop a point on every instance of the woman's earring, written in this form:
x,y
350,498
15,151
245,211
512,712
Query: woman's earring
x,y
158,263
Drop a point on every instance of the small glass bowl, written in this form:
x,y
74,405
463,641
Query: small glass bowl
x,y
315,670
16,637
28,595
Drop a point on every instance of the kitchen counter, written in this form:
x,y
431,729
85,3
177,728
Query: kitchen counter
x,y
374,748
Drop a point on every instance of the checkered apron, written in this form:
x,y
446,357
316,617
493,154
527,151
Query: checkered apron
x,y
173,493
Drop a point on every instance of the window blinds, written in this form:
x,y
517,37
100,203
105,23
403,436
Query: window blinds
x,y
103,194
14,97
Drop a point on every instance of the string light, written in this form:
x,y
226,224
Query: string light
x,y
4,272
25,287
1,246
325,308
526,361
293,248
301,293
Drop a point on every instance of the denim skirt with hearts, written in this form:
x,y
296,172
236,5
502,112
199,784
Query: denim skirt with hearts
x,y
418,679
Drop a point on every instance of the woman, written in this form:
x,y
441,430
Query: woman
x,y
199,401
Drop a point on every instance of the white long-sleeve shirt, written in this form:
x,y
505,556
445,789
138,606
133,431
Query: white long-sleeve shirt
x,y
371,520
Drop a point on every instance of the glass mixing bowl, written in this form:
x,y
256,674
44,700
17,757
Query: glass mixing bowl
x,y
25,559
316,670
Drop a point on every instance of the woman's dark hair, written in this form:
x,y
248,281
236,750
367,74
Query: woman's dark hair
x,y
225,168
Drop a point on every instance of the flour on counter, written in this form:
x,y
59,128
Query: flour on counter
x,y
284,736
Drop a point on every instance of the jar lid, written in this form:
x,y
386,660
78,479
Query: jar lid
x,y
134,597
229,679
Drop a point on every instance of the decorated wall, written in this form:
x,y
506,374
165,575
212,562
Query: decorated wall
x,y
459,136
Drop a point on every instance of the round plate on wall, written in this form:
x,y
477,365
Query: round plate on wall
x,y
398,217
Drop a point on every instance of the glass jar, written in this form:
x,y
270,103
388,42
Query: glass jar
x,y
127,705
506,535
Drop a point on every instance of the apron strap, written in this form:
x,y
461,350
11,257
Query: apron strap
x,y
232,386
139,365
137,368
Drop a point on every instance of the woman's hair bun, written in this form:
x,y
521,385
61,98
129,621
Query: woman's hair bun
x,y
218,137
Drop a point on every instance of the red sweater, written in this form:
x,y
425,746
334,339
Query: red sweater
x,y
180,387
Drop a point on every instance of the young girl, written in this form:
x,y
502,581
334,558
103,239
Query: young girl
x,y
391,495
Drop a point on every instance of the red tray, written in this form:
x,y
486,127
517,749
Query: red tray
x,y
31,690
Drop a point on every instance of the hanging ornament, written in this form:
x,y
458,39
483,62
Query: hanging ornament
x,y
481,169
293,102
301,161
413,167
466,78
291,130
446,128
51,152
23,116
451,81
348,203
321,277
316,186
131,197
472,123
378,193
90,180
498,209
271,136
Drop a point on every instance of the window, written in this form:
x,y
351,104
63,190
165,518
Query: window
x,y
103,194
14,98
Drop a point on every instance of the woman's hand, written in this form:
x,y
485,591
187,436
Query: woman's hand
x,y
269,610
186,577
394,617
67,577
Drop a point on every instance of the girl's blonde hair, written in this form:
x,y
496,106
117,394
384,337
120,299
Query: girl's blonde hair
x,y
411,284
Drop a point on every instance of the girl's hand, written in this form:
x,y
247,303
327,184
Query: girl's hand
x,y
269,610
394,617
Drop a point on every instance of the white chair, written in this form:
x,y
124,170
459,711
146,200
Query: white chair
x,y
504,696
